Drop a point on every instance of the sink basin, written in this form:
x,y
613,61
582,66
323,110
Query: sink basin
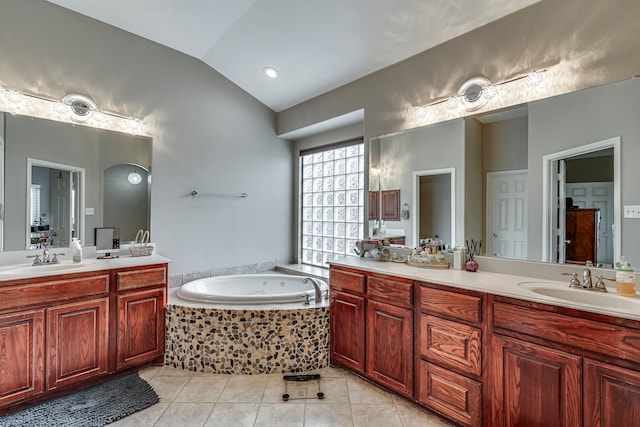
x,y
583,296
35,269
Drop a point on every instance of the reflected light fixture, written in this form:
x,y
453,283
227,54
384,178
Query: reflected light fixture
x,y
134,178
271,72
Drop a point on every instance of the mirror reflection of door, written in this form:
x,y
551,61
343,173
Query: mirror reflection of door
x,y
126,198
434,205
588,204
507,214
53,205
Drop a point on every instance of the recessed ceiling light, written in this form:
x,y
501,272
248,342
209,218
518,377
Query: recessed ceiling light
x,y
271,72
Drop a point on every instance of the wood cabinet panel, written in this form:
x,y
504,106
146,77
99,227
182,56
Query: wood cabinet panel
x,y
374,202
611,395
451,304
534,385
140,327
390,201
22,354
77,337
347,281
390,346
603,338
451,344
453,395
347,330
142,278
20,294
393,290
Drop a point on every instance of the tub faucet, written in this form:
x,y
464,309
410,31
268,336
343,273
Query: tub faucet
x,y
316,286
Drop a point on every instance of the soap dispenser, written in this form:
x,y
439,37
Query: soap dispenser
x,y
76,250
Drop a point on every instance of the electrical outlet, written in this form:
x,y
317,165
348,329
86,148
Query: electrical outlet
x,y
632,211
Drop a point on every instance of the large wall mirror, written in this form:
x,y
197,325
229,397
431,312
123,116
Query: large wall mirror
x,y
62,181
526,176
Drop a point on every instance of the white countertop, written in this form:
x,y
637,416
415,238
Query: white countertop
x,y
66,266
493,283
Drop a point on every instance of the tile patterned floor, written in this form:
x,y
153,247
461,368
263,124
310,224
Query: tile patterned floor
x,y
190,399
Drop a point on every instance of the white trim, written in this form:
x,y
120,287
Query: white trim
x,y
416,200
43,163
547,191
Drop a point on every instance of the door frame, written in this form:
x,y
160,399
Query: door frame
x,y
51,165
548,180
416,201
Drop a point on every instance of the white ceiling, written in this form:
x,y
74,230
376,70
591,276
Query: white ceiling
x,y
316,45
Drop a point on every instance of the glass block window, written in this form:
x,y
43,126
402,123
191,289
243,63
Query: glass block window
x,y
331,203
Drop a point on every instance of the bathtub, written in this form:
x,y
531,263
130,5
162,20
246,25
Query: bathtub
x,y
251,289
247,324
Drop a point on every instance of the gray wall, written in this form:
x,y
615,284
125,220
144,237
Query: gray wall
x,y
209,135
435,207
505,145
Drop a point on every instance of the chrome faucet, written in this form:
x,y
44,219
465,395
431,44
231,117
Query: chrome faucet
x,y
586,279
316,286
47,258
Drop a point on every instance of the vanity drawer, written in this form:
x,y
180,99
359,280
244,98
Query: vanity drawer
x,y
390,289
134,279
347,281
451,344
603,338
453,395
13,296
453,304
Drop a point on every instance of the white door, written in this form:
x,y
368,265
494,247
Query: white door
x,y
60,207
507,214
598,195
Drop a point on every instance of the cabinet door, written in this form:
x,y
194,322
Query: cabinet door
x,y
390,205
77,338
140,327
535,386
611,395
21,356
390,346
347,330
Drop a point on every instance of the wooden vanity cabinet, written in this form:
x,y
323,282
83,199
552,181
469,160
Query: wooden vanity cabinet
x,y
449,353
141,298
553,366
389,327
372,327
60,331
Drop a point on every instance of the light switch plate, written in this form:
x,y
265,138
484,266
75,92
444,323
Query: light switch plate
x,y
632,211
89,211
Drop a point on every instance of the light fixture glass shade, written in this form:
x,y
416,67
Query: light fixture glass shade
x,y
134,178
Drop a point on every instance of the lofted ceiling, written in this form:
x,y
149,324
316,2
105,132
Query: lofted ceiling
x,y
316,46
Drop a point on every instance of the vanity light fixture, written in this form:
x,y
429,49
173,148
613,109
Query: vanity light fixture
x,y
271,72
475,93
73,108
375,170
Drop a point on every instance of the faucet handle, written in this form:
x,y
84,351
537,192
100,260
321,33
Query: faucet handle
x,y
600,286
36,259
54,258
574,282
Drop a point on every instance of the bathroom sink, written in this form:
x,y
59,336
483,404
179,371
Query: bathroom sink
x,y
582,296
35,269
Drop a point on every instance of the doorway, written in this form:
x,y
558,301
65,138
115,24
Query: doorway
x,y
581,204
434,199
507,214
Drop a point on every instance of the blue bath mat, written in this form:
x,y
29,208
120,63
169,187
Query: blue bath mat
x,y
92,407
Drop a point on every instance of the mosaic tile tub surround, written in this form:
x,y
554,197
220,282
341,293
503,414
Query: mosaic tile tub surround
x,y
247,341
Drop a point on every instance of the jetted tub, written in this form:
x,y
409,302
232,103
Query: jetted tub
x,y
248,324
251,289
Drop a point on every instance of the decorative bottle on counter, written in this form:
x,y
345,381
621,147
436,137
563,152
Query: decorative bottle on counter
x,y
625,278
76,250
